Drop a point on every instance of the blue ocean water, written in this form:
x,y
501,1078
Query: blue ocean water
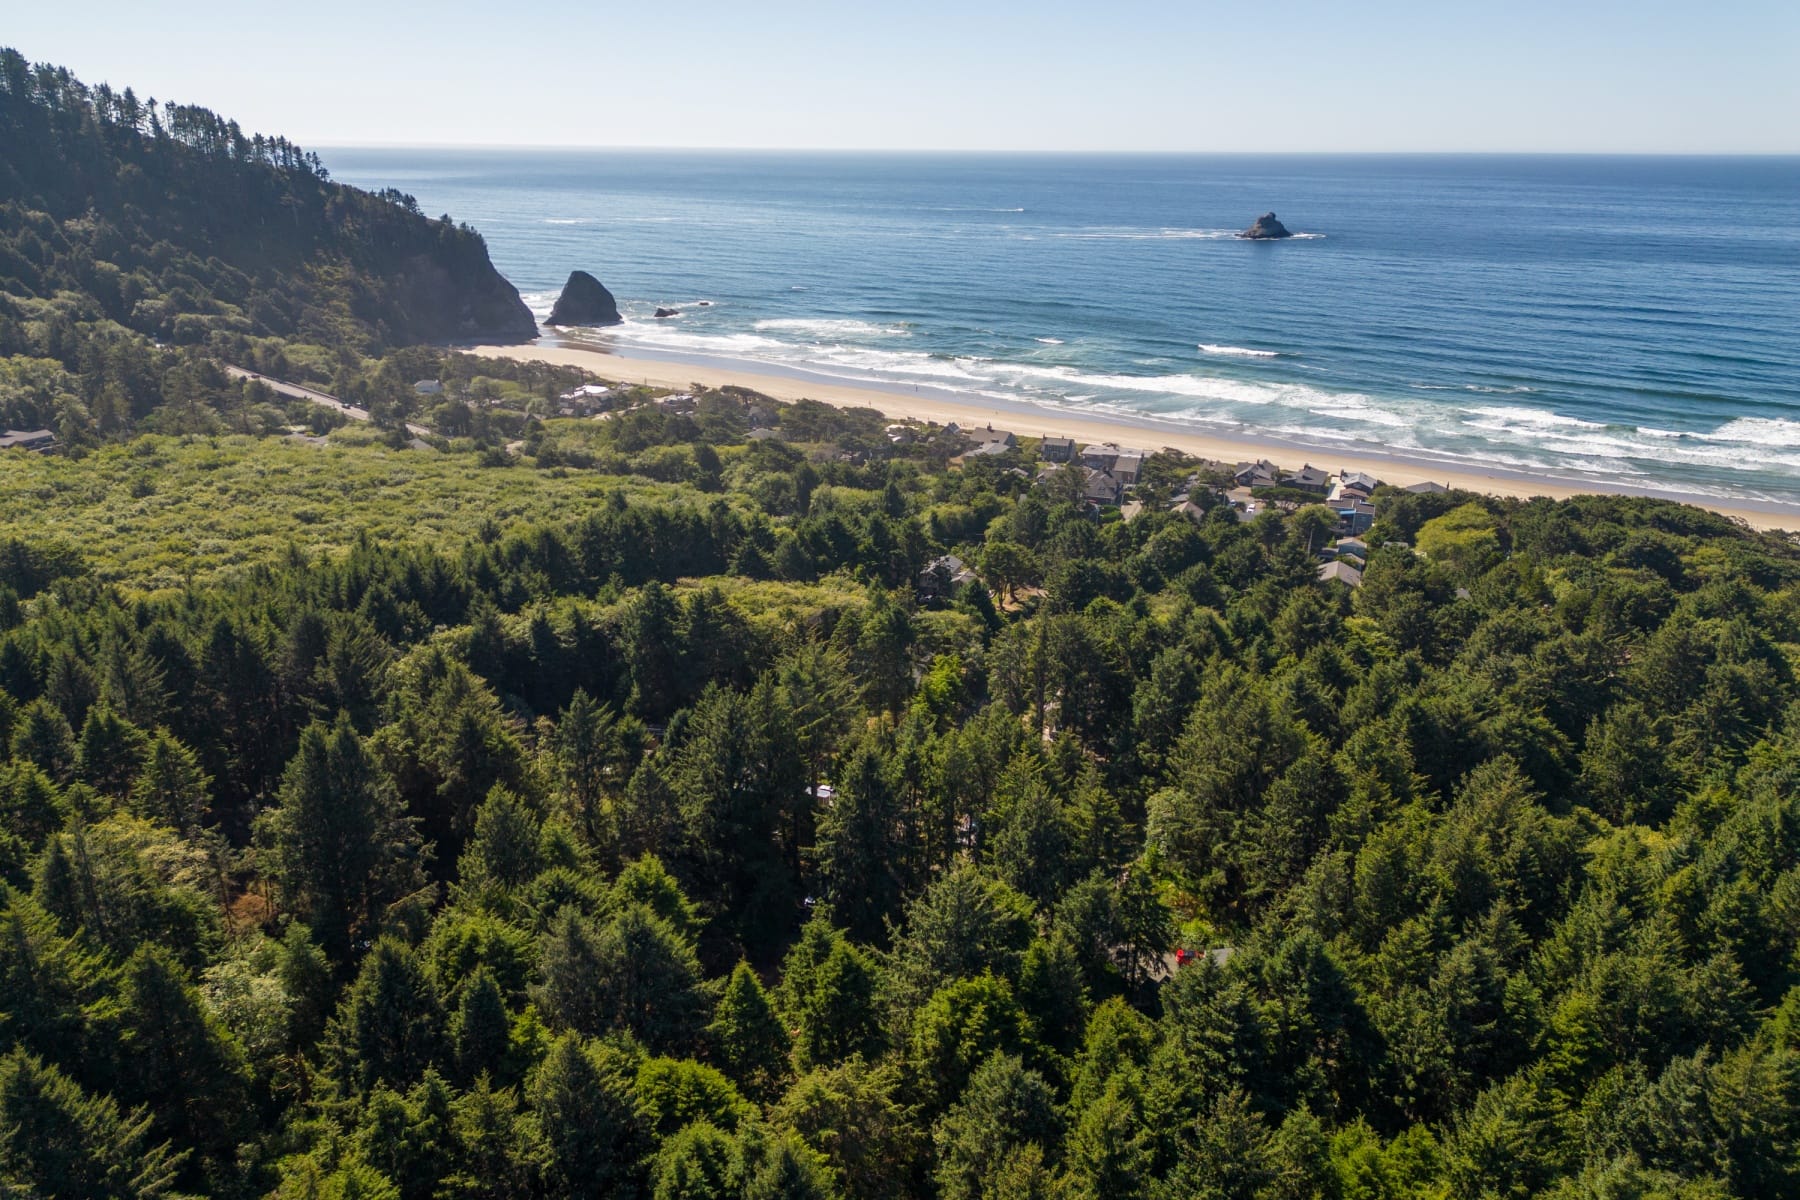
x,y
1633,320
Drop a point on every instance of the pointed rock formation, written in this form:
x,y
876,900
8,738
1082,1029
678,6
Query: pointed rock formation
x,y
585,301
1267,228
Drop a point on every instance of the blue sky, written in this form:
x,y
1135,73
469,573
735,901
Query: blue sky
x,y
1382,75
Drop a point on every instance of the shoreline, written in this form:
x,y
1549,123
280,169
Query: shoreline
x,y
1030,420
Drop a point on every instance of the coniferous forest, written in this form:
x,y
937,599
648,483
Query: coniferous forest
x,y
627,807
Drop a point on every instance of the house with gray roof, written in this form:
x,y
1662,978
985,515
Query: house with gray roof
x,y
39,440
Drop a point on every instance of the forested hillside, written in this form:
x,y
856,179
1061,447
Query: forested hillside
x,y
140,242
662,842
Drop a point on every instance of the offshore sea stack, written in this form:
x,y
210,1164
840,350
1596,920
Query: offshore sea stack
x,y
585,301
1267,228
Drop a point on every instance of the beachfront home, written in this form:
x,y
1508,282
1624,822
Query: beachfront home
x,y
1352,485
1057,449
989,440
1129,511
1427,488
1352,545
1308,479
1340,572
40,440
1261,473
1185,507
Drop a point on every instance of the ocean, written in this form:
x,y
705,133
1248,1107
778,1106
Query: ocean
x,y
1633,321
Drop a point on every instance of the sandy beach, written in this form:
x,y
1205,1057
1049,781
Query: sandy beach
x,y
1029,420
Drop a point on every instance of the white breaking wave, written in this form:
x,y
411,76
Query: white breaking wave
x,y
1103,233
1127,234
1237,351
1499,416
1049,341
828,328
1757,431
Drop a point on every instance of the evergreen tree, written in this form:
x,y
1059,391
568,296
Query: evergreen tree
x,y
480,1029
171,787
964,1023
56,1140
837,1017
504,853
962,925
861,848
581,1104
388,1027
790,1170
634,974
1004,1108
110,753
177,1059
41,736
746,1038
337,839
698,1163
593,754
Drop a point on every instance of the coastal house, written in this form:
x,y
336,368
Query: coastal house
x,y
1130,511
1354,516
1261,473
1309,479
1102,488
428,387
1127,466
1353,545
942,576
989,440
1352,485
1057,449
1340,572
42,441
1427,488
583,401
1099,457
1185,507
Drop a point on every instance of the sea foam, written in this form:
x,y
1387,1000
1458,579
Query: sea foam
x,y
1237,351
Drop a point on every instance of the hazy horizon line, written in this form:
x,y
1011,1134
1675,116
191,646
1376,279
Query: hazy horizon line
x,y
574,147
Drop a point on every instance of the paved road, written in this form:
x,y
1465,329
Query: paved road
x,y
299,392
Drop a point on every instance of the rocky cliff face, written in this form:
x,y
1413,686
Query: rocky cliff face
x,y
463,301
1267,228
585,301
